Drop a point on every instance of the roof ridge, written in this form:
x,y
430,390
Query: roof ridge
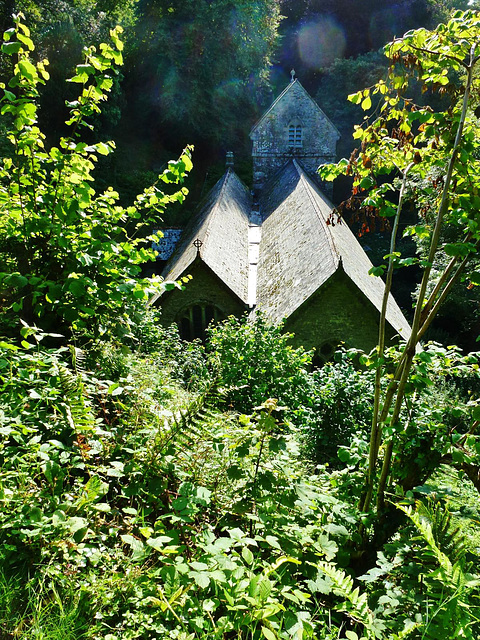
x,y
308,187
215,207
262,118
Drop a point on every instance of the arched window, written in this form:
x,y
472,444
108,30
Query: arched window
x,y
295,135
195,319
324,354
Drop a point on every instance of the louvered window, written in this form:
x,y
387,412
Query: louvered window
x,y
295,135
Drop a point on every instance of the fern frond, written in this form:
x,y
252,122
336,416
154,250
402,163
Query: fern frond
x,y
355,603
78,411
78,359
423,524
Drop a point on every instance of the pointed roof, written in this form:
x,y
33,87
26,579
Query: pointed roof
x,y
295,85
221,225
301,250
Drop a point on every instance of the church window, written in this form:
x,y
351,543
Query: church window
x,y
324,354
295,135
194,320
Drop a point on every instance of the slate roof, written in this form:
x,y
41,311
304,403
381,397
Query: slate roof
x,y
295,86
222,226
299,251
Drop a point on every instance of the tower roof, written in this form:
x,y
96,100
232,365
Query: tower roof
x,y
297,87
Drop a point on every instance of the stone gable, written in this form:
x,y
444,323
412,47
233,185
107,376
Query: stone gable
x,y
294,126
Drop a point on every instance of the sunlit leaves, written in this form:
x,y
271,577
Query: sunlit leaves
x,y
72,255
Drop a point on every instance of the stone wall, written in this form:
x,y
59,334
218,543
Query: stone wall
x,y
339,312
271,139
203,288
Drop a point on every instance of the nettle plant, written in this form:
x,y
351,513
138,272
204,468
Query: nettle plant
x,y
71,257
438,152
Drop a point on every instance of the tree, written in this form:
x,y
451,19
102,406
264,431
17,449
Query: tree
x,y
344,31
442,150
199,65
71,257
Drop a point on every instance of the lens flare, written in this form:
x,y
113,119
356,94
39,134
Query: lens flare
x,y
320,42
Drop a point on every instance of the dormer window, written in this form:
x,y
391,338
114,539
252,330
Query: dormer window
x,y
295,136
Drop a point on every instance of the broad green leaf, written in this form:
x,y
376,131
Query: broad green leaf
x,y
269,635
11,48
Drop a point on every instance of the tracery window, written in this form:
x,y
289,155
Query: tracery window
x,y
295,135
195,319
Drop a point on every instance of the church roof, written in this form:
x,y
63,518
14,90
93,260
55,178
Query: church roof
x,y
221,225
301,91
302,247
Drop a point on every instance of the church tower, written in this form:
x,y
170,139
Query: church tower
x,y
294,126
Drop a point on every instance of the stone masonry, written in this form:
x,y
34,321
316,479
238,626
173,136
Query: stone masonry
x,y
294,126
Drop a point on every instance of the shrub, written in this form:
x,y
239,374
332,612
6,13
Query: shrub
x,y
338,408
256,361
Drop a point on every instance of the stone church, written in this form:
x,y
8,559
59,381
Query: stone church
x,y
278,249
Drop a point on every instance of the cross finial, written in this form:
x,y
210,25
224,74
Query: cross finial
x,y
197,244
292,73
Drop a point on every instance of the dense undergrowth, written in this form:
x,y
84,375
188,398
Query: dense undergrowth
x,y
154,489
139,502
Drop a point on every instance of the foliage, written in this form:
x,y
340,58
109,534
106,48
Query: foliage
x,y
119,520
435,558
343,77
415,140
207,547
337,410
204,63
256,361
134,506
71,257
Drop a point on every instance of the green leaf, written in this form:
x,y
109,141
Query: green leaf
x,y
355,97
27,69
264,588
269,634
136,545
76,287
101,506
26,41
366,103
201,579
159,543
247,555
16,280
102,148
377,271
115,389
10,48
